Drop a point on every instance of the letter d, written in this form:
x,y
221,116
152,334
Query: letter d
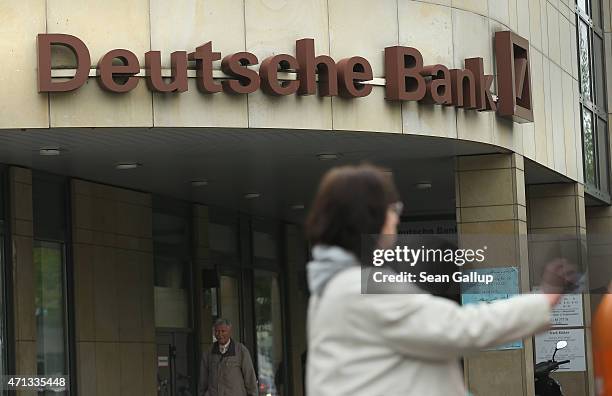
x,y
45,41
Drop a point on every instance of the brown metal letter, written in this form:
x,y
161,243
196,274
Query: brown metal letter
x,y
269,75
484,97
204,57
130,67
351,71
464,88
234,65
178,59
45,41
309,63
439,88
403,66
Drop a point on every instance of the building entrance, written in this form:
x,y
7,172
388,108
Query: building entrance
x,y
174,352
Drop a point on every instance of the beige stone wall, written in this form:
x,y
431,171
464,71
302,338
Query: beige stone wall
x,y
446,31
113,275
21,217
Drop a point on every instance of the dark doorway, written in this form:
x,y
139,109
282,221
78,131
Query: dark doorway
x,y
173,356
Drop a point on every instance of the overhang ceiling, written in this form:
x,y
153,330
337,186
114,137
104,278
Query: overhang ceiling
x,y
281,165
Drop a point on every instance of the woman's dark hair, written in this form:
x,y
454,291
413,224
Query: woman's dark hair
x,y
351,203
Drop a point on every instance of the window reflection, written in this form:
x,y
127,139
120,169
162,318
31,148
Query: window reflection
x,y
584,63
50,343
602,152
230,302
268,325
589,147
592,83
598,71
171,265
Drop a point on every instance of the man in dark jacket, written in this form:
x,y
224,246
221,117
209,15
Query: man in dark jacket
x,y
226,369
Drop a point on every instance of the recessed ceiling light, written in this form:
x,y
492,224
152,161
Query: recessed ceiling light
x,y
199,183
50,151
424,185
328,156
252,195
127,165
297,206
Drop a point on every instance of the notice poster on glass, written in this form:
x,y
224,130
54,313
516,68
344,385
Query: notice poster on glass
x,y
574,351
505,284
568,313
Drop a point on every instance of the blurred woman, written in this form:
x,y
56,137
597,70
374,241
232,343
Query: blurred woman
x,y
389,344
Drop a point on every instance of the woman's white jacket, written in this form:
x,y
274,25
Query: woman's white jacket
x,y
392,344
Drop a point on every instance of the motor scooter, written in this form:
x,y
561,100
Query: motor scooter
x,y
544,384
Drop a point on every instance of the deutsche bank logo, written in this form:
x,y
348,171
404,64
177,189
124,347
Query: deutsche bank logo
x,y
513,77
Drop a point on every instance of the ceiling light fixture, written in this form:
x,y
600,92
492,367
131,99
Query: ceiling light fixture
x,y
297,206
127,165
50,151
199,183
328,156
252,195
424,185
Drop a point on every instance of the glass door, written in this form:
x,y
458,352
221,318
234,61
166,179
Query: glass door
x,y
229,302
269,333
174,351
176,366
50,309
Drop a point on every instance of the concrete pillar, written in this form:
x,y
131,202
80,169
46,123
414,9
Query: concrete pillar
x,y
24,284
113,275
490,203
556,220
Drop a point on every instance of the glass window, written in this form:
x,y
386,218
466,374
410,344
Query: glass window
x,y
602,151
589,147
49,193
585,61
593,99
229,300
596,13
173,297
269,333
264,245
171,245
223,237
598,72
49,211
50,303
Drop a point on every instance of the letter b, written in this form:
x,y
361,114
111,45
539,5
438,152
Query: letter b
x,y
403,66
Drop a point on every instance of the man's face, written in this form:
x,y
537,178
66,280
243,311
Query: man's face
x,y
223,333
